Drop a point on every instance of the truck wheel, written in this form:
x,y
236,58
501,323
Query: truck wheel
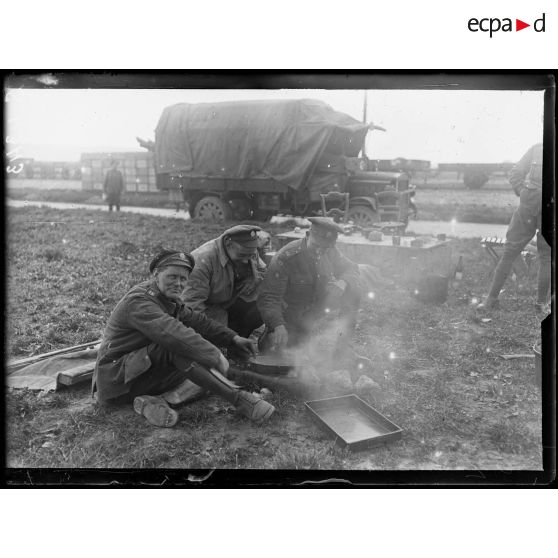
x,y
363,215
475,180
212,208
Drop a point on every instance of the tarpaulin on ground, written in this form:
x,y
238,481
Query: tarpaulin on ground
x,y
43,375
282,140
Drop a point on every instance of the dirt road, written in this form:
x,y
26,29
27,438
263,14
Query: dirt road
x,y
451,229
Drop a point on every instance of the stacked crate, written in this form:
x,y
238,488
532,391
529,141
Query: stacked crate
x,y
137,168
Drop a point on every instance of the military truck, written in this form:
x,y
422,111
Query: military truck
x,y
256,159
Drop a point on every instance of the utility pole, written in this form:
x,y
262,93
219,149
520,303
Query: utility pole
x,y
364,107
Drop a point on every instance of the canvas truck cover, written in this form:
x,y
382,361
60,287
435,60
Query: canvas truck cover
x,y
282,140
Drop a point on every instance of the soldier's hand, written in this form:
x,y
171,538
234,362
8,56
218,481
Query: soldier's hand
x,y
279,337
248,289
246,346
335,289
223,365
257,270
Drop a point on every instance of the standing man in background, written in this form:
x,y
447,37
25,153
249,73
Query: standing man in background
x,y
526,180
113,186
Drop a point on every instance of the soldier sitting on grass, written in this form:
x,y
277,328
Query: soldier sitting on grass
x,y
306,280
226,278
157,352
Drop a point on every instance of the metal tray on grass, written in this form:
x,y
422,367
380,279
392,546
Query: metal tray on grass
x,y
353,423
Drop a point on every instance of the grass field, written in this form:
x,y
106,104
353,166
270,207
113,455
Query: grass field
x,y
461,406
141,199
467,206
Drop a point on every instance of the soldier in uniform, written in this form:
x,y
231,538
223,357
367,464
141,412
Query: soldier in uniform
x,y
113,186
306,279
225,279
526,180
154,349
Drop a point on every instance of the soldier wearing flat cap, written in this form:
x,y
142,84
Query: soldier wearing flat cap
x,y
157,352
226,277
306,279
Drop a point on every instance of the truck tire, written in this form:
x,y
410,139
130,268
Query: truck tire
x,y
363,215
212,208
475,180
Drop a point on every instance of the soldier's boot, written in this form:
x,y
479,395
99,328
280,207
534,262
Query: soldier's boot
x,y
186,392
489,304
247,404
156,410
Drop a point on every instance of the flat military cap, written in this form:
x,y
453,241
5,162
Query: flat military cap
x,y
172,257
325,228
245,235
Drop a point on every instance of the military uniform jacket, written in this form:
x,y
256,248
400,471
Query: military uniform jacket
x,y
527,173
114,183
211,285
145,316
295,282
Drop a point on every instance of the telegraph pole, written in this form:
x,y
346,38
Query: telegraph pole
x,y
364,107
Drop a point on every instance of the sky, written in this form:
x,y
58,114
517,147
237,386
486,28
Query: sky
x,y
438,126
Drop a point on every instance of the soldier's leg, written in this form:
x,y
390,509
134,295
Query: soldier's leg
x,y
520,231
244,317
168,371
544,274
152,380
350,303
299,329
247,404
163,375
344,351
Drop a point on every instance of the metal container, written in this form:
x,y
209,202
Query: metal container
x,y
353,423
396,240
270,364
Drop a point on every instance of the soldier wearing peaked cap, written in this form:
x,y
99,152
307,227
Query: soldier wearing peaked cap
x,y
306,279
226,277
325,228
156,352
171,257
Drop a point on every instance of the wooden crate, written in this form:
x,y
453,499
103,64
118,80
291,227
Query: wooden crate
x,y
133,165
77,375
